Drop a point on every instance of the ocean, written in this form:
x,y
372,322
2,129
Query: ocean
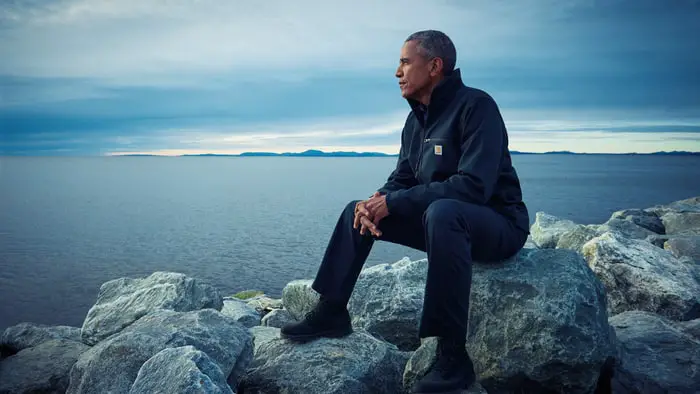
x,y
68,224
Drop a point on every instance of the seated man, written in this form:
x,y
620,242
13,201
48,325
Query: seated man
x,y
454,194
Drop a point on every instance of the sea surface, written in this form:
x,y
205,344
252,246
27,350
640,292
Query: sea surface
x,y
68,224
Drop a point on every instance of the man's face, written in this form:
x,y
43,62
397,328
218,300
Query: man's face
x,y
414,72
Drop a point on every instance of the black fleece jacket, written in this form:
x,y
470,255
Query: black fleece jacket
x,y
456,148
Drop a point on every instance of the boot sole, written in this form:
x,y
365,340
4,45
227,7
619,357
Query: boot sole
x,y
323,334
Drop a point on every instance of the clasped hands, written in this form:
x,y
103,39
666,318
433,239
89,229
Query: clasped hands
x,y
368,213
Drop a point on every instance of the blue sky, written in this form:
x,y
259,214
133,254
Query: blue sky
x,y
98,77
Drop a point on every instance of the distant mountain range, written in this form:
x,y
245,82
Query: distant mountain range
x,y
318,153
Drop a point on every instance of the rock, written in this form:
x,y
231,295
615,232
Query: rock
x,y
547,229
626,228
530,243
112,365
658,240
263,335
264,304
241,312
388,301
26,335
180,370
579,235
539,320
645,219
681,206
639,276
43,368
121,302
358,363
684,247
576,237
277,318
420,362
691,327
299,298
682,223
656,356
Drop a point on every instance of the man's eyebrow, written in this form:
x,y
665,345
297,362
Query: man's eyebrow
x,y
403,60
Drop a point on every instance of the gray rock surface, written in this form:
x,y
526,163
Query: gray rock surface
x,y
626,228
539,318
420,362
299,298
277,318
640,276
577,236
656,356
358,363
643,218
180,370
113,364
547,229
25,335
680,206
43,368
692,327
123,301
388,300
263,335
682,222
241,312
688,246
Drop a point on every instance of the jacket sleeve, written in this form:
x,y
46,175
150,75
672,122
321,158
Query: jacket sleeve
x,y
482,139
402,177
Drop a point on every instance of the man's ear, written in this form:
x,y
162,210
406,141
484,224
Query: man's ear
x,y
436,67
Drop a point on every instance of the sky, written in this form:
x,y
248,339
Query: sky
x,y
98,77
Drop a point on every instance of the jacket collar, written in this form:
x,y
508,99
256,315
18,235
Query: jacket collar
x,y
441,95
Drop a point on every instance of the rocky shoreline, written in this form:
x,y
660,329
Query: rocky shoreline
x,y
613,307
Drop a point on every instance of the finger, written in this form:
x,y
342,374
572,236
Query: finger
x,y
356,222
371,226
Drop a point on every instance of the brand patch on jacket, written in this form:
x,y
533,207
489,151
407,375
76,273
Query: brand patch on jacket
x,y
438,150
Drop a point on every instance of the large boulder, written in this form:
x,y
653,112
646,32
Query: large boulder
x,y
123,301
547,229
113,364
26,335
263,304
691,204
640,276
358,363
540,316
539,320
655,355
43,368
241,312
180,370
388,301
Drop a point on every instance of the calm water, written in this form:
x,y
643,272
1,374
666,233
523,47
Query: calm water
x,y
69,224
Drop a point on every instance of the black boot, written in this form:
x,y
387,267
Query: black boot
x,y
328,319
452,372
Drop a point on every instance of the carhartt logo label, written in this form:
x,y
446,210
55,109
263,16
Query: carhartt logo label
x,y
438,149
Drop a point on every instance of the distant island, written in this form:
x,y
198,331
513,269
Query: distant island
x,y
319,153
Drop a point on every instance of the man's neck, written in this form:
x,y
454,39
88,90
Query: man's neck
x,y
424,97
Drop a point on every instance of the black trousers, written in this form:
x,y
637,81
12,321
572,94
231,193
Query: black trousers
x,y
452,233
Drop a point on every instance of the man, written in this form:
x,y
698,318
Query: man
x,y
454,194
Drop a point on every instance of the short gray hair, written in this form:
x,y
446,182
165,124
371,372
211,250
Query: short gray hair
x,y
433,43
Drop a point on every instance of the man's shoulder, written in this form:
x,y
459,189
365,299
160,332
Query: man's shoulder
x,y
471,95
